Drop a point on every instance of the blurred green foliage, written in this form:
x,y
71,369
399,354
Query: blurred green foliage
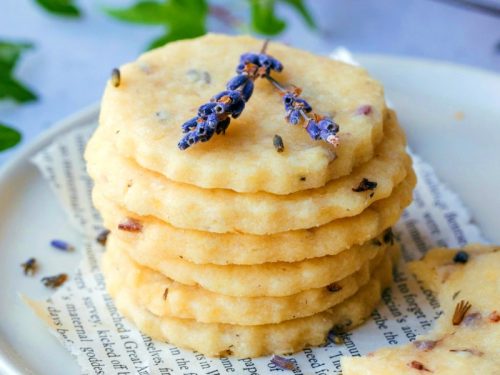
x,y
9,137
184,19
11,88
64,8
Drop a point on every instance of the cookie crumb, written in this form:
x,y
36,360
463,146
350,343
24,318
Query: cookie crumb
x,y
130,225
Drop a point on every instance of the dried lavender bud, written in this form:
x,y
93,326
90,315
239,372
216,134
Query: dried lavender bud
x,y
115,77
278,143
425,345
62,245
323,128
102,237
364,110
283,363
130,225
461,257
494,317
333,287
55,281
460,311
260,62
418,366
365,185
472,319
389,236
30,266
236,82
295,107
229,102
337,340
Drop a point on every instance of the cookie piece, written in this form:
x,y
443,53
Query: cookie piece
x,y
214,339
267,279
221,211
240,248
165,87
467,344
164,297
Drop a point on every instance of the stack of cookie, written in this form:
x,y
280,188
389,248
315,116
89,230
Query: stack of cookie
x,y
234,246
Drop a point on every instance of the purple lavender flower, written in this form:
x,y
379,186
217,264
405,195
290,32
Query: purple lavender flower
x,y
261,62
229,102
214,117
323,128
238,81
295,107
189,125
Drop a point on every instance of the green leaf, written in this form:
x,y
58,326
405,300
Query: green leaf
x,y
9,54
10,88
182,18
147,12
301,8
9,137
64,8
264,19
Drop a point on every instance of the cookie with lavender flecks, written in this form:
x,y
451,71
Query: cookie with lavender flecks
x,y
164,297
221,211
240,248
466,338
267,279
209,84
217,339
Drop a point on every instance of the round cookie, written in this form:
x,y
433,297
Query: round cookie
x,y
164,88
164,297
465,346
215,339
267,279
221,211
240,248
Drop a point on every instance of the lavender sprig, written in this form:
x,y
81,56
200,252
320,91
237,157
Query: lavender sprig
x,y
297,109
214,117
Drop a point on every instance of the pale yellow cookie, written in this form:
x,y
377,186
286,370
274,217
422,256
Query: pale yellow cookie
x,y
267,279
213,339
220,211
467,343
165,87
163,297
240,248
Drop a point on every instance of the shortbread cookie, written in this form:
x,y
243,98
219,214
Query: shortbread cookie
x,y
239,248
163,297
213,339
220,211
267,279
165,87
460,343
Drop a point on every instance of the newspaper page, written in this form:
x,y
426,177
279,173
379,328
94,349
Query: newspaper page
x,y
82,315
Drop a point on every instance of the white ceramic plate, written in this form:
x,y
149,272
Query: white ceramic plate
x,y
428,96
